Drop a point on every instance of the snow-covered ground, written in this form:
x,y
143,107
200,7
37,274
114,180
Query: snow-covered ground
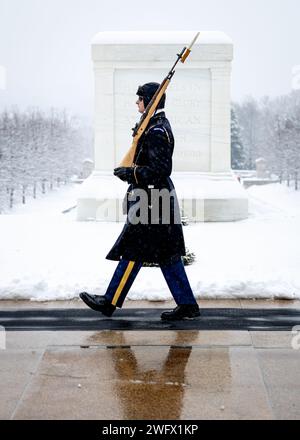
x,y
48,255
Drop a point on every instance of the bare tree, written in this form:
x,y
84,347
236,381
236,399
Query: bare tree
x,y
39,150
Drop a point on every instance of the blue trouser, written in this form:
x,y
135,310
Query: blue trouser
x,y
127,271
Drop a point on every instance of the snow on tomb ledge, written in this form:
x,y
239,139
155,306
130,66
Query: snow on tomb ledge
x,y
155,46
161,37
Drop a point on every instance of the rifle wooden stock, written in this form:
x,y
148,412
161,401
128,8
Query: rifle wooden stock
x,y
185,55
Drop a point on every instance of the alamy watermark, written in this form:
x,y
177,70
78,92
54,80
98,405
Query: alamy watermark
x,y
295,343
153,206
2,338
296,77
2,78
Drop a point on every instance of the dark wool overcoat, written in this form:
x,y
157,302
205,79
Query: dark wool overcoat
x,y
160,239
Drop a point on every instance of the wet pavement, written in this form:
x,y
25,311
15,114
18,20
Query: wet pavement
x,y
167,374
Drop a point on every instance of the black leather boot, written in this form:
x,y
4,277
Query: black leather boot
x,y
183,311
98,303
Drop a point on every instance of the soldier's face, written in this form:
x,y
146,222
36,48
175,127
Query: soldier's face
x,y
140,104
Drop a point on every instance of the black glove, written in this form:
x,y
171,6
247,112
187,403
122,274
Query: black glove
x,y
125,174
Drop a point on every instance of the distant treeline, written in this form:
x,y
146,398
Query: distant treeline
x,y
268,128
39,150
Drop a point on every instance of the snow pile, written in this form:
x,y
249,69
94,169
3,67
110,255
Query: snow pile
x,y
47,255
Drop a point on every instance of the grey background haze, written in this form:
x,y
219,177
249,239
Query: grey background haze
x,y
45,44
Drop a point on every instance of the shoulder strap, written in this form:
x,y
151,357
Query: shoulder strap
x,y
160,127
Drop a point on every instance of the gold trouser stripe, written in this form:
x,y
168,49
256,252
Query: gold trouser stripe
x,y
122,282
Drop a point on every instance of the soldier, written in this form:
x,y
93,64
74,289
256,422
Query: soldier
x,y
160,238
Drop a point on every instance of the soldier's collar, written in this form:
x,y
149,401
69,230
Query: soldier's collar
x,y
159,114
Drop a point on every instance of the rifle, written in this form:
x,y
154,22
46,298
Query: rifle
x,y
151,107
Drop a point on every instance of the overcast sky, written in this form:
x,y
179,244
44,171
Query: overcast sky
x,y
45,44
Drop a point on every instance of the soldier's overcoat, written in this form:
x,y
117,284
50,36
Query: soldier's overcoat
x,y
161,240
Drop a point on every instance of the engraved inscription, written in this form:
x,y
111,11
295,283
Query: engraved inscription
x,y
187,108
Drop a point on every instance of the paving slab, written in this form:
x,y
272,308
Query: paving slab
x,y
26,304
229,386
281,374
17,368
146,383
270,304
173,338
27,340
273,339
